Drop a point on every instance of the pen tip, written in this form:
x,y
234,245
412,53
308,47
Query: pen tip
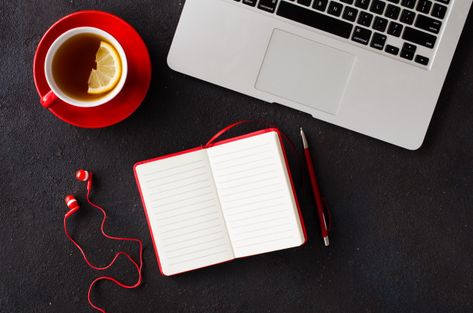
x,y
326,241
304,139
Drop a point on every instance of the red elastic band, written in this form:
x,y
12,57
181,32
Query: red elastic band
x,y
139,267
257,122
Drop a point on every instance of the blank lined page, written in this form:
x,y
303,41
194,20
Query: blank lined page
x,y
184,212
256,195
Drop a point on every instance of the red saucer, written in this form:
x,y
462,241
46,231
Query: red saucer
x,y
139,70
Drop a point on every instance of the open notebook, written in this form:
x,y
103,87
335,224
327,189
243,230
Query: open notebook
x,y
210,205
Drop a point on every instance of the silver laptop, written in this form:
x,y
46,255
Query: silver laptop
x,y
371,66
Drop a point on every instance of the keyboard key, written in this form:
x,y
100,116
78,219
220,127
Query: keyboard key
x,y
347,1
314,19
392,50
362,4
250,2
393,11
394,1
377,7
428,24
424,6
444,1
304,2
408,51
439,11
335,8
407,17
419,37
365,19
320,5
406,55
422,60
395,29
350,14
380,24
409,47
378,41
361,35
268,5
408,3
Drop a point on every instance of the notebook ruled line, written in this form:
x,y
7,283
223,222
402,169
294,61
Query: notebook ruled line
x,y
236,166
185,213
178,179
188,225
194,245
193,238
185,206
196,251
252,189
189,218
258,196
240,170
259,223
258,215
264,235
217,163
262,229
199,257
181,172
185,192
255,209
182,200
245,177
193,231
263,242
253,202
179,187
172,168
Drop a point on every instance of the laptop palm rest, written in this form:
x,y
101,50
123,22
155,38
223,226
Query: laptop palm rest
x,y
304,71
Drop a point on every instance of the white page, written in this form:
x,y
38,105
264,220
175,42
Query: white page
x,y
184,212
256,195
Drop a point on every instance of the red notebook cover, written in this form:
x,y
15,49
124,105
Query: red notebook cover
x,y
256,133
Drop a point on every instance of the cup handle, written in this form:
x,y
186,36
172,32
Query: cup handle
x,y
48,99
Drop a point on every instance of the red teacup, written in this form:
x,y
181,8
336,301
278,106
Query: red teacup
x,y
56,93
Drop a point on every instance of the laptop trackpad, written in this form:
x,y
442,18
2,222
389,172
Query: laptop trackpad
x,y
304,71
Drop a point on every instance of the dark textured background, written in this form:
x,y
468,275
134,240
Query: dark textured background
x,y
403,235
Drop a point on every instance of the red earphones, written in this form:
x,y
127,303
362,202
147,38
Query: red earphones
x,y
71,201
73,207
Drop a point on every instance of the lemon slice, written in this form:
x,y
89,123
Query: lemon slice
x,y
108,72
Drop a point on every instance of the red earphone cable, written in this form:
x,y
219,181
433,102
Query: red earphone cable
x,y
117,255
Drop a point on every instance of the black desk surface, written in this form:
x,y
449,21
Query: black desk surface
x,y
403,221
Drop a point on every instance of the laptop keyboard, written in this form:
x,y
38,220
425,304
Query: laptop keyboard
x,y
407,29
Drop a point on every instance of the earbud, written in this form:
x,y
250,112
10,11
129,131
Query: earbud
x,y
86,176
83,175
72,204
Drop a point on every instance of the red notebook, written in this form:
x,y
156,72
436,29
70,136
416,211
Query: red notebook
x,y
232,199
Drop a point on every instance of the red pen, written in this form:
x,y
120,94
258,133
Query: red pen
x,y
315,190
